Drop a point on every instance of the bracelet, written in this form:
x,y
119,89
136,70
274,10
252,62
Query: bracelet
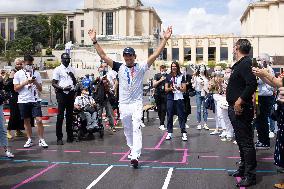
x,y
95,42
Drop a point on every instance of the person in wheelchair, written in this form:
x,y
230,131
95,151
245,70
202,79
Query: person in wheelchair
x,y
86,108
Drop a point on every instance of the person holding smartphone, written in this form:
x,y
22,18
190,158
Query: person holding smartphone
x,y
64,83
27,82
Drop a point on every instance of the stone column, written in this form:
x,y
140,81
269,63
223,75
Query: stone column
x,y
7,29
218,50
230,43
205,50
193,50
169,51
181,51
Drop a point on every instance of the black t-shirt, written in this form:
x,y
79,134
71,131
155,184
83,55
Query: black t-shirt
x,y
160,89
170,80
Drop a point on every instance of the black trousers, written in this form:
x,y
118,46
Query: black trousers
x,y
178,107
244,133
261,122
161,103
65,102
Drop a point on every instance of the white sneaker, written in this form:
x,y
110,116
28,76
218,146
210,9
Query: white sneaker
x,y
186,126
205,126
143,125
9,154
223,134
226,139
271,134
199,127
42,143
169,136
130,156
235,142
215,132
162,127
184,137
29,143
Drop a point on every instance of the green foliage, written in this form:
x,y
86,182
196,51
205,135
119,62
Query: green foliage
x,y
57,23
211,64
51,64
35,27
60,47
9,56
23,45
223,65
48,51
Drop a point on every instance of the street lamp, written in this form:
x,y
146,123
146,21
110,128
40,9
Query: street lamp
x,y
5,49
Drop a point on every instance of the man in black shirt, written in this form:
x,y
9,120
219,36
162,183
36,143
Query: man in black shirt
x,y
241,87
160,95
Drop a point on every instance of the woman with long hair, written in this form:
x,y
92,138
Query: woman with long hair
x,y
175,87
200,83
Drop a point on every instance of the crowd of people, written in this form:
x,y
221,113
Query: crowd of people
x,y
242,97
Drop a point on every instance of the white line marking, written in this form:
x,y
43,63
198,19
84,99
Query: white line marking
x,y
168,178
100,177
175,120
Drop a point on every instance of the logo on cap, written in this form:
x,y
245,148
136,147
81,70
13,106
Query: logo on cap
x,y
129,50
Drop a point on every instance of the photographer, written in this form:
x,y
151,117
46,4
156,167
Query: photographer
x,y
160,95
64,83
103,94
27,82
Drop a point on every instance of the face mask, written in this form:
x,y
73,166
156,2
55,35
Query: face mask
x,y
101,73
29,68
202,70
163,73
85,93
218,72
66,62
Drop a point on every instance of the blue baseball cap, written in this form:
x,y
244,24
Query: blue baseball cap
x,y
129,50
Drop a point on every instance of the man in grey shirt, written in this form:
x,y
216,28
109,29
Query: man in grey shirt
x,y
130,77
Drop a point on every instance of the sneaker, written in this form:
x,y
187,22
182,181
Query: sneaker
x,y
186,126
215,132
260,146
113,129
19,134
42,143
9,136
29,143
235,142
222,135
134,163
162,127
169,136
184,137
9,154
271,134
143,125
199,127
130,156
226,139
205,126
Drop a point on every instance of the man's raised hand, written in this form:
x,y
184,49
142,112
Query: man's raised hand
x,y
168,32
93,34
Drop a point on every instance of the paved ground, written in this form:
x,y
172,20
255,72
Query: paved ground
x,y
200,163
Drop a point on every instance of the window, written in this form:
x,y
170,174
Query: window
x,y
82,33
71,33
150,51
82,23
199,54
11,29
224,53
109,23
82,42
2,28
175,53
187,54
212,53
165,54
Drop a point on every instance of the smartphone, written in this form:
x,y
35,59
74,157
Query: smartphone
x,y
254,63
34,77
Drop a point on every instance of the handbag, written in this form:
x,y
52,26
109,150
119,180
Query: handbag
x,y
89,108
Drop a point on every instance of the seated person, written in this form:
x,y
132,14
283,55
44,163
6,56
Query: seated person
x,y
87,105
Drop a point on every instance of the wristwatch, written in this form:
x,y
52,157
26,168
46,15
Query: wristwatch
x,y
95,42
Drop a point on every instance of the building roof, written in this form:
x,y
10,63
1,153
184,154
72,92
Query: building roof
x,y
264,3
66,12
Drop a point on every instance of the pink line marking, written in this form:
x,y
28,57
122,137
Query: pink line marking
x,y
119,153
25,149
141,161
181,149
125,155
238,180
97,152
35,176
161,141
233,157
210,156
72,151
267,158
150,149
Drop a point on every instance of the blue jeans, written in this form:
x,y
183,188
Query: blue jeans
x,y
3,132
200,102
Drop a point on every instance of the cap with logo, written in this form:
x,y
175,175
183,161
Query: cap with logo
x,y
65,56
129,50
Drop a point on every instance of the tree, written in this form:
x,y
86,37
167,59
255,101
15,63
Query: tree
x,y
23,45
9,56
57,23
35,27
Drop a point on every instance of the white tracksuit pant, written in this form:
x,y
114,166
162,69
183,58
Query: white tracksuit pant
x,y
218,112
225,121
131,117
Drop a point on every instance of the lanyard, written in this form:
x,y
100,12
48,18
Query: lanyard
x,y
31,85
174,80
130,75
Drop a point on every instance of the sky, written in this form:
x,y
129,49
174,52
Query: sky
x,y
189,17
